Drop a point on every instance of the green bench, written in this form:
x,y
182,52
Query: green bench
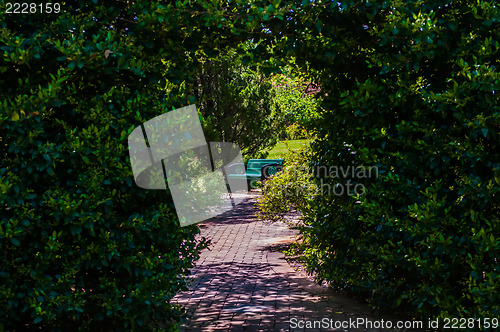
x,y
255,170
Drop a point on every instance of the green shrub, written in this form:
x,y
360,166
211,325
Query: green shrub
x,y
290,188
296,131
412,88
299,108
81,246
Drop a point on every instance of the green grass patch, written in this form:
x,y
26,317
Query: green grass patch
x,y
283,147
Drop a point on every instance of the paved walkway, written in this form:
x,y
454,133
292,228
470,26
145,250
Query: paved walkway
x,y
241,284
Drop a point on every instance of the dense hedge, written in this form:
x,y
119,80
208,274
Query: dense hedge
x,y
411,88
81,246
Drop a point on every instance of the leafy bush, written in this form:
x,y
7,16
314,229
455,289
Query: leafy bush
x,y
299,108
296,131
81,246
413,89
291,188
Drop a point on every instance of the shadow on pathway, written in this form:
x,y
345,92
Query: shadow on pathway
x,y
241,284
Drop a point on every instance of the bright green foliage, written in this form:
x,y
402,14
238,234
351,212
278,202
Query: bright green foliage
x,y
299,108
412,88
292,187
296,132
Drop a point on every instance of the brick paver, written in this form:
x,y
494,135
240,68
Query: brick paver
x,y
240,284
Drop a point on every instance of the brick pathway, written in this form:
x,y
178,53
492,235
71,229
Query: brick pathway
x,y
241,284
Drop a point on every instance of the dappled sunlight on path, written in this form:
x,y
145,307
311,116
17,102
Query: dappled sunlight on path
x,y
242,284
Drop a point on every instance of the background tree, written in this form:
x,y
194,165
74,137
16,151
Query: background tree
x,y
238,103
296,100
